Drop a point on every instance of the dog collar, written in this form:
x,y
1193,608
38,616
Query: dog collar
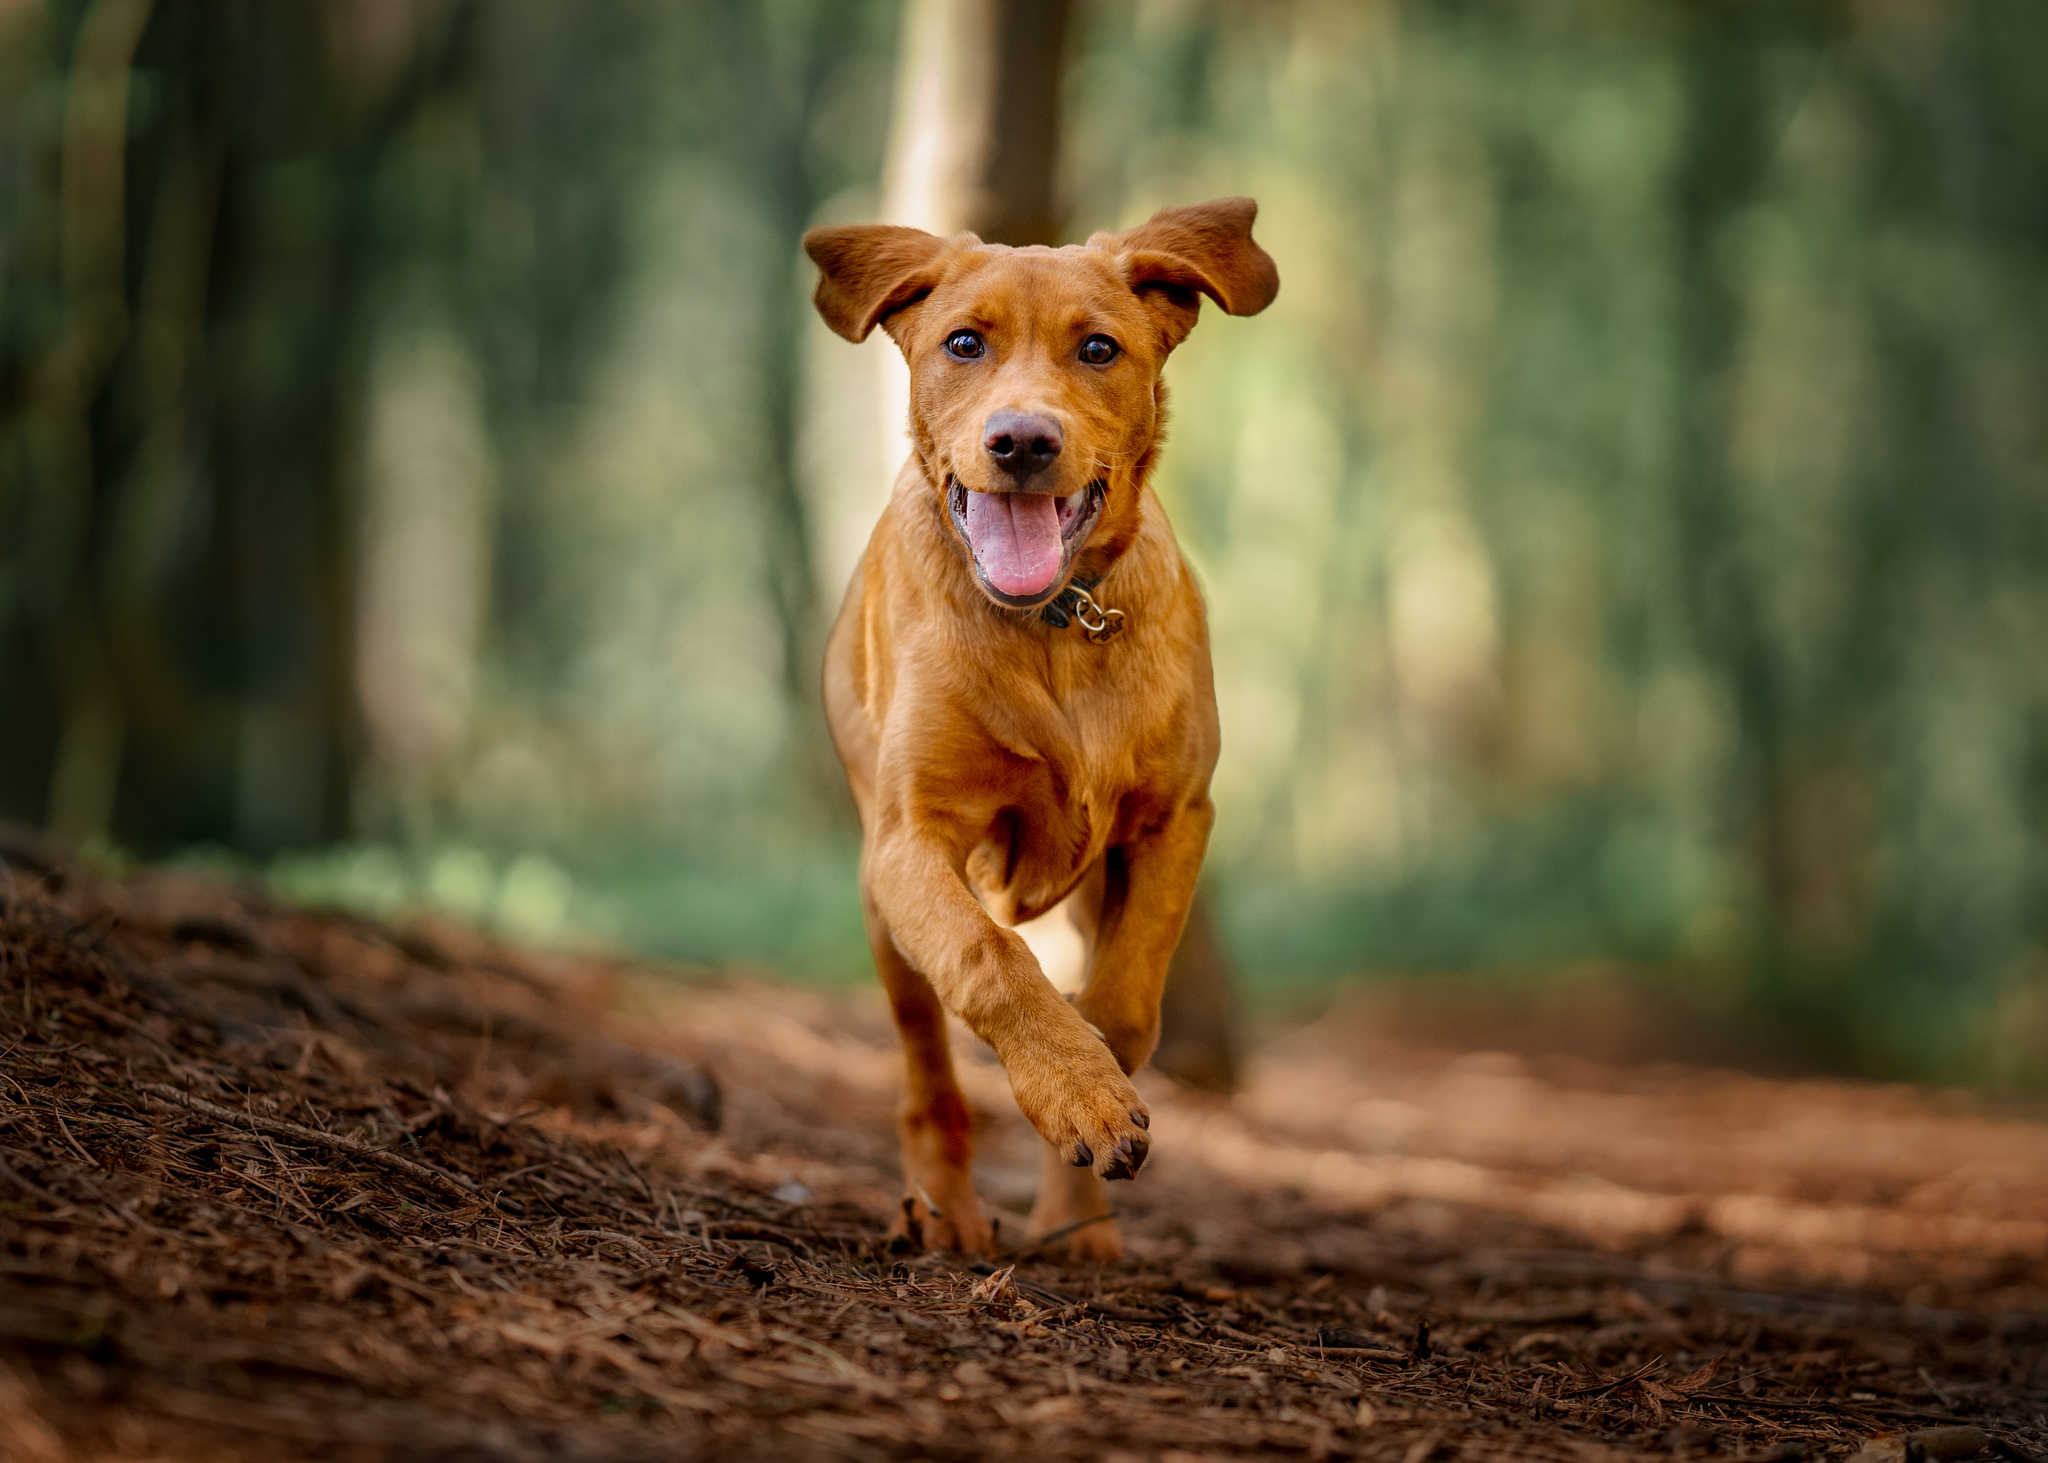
x,y
1076,605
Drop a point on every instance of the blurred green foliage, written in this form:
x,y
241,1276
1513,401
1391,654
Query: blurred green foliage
x,y
1625,538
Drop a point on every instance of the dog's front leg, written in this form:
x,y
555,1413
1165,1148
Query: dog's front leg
x,y
1134,907
1065,1079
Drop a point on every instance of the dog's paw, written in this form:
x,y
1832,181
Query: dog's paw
x,y
1071,1217
924,1223
1098,1243
1082,1103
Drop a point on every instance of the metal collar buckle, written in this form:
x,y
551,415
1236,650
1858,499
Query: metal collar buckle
x,y
1075,603
1107,624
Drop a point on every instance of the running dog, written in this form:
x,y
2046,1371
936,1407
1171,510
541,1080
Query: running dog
x,y
1018,681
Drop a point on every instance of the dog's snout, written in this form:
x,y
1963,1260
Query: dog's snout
x,y
1022,443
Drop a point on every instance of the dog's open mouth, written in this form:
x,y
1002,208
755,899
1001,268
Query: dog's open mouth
x,y
1021,542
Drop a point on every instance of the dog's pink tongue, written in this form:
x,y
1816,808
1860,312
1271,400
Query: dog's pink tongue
x,y
1016,540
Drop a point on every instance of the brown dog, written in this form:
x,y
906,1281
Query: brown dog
x,y
1018,681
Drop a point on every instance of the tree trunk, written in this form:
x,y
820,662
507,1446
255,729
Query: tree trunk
x,y
1728,139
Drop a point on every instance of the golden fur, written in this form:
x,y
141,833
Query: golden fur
x,y
1002,764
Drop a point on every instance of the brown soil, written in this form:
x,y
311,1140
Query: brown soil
x,y
276,1184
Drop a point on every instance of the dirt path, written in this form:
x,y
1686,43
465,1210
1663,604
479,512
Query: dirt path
x,y
281,1185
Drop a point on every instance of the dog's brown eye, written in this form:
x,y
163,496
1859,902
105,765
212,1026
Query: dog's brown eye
x,y
964,345
1098,350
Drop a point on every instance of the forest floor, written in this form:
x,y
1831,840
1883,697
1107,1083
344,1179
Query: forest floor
x,y
276,1184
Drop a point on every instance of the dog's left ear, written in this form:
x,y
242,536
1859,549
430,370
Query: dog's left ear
x,y
1180,254
867,272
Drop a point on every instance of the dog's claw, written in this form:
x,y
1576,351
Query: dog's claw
x,y
1142,1119
1126,1158
1084,1156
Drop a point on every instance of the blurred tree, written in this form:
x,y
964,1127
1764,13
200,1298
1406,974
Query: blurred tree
x,y
1829,576
190,250
749,116
1733,119
235,216
813,41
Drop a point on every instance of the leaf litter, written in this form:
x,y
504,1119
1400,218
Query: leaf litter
x,y
280,1183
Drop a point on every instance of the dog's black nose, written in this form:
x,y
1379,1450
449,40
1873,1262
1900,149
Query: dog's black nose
x,y
1022,444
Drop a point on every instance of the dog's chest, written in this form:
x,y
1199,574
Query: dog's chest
x,y
1077,776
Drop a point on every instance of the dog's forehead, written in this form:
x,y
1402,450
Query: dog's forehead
x,y
1001,285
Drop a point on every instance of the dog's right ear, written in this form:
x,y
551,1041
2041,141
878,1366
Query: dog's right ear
x,y
867,272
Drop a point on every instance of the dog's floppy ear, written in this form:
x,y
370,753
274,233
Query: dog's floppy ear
x,y
867,272
1180,254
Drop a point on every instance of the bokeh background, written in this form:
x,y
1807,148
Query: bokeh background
x,y
423,484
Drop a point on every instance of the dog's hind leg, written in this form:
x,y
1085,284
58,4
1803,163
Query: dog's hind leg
x,y
932,1121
